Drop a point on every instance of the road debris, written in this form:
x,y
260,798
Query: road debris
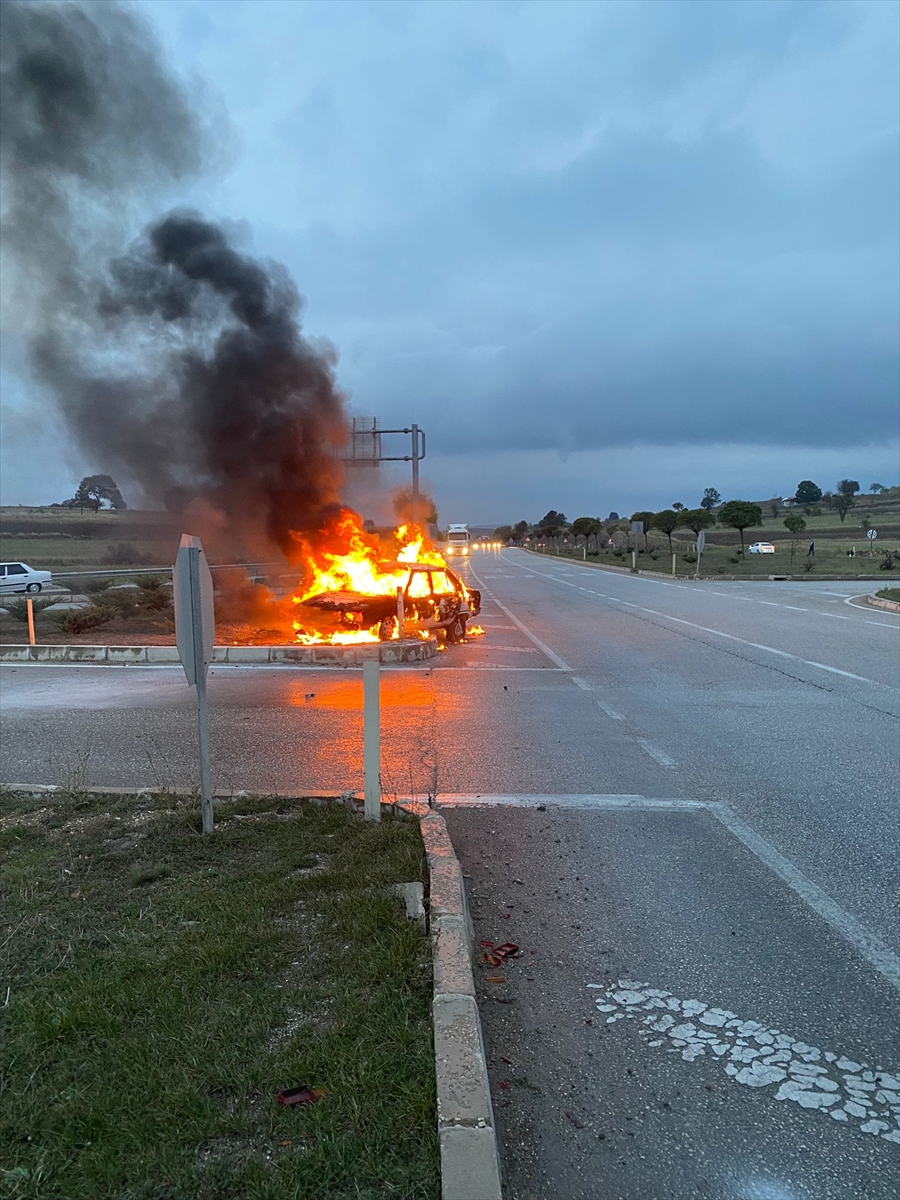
x,y
300,1095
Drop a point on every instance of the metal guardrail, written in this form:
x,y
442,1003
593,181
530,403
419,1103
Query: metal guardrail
x,y
254,567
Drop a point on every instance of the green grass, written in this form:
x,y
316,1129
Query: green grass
x,y
164,987
725,560
890,594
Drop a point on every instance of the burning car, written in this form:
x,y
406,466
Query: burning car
x,y
433,597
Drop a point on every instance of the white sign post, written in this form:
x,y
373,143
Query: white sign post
x,y
372,739
195,635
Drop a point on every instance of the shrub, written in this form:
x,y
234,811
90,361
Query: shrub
x,y
888,560
18,608
123,554
80,620
689,558
809,565
734,558
121,601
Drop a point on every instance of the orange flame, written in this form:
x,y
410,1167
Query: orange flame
x,y
345,558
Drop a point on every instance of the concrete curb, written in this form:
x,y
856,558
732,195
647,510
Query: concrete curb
x,y
878,602
352,800
407,650
470,1161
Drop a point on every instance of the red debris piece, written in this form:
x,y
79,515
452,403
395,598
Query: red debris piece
x,y
300,1095
571,1117
486,942
507,950
504,1083
491,959
508,1061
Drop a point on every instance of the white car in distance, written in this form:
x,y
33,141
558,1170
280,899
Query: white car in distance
x,y
761,548
19,577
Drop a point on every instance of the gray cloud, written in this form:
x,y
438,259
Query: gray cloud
x,y
564,227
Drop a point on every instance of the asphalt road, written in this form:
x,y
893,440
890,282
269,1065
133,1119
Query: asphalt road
x,y
679,800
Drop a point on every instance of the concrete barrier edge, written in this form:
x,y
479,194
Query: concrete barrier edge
x,y
388,653
470,1159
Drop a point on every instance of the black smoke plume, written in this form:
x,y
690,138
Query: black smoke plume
x,y
179,362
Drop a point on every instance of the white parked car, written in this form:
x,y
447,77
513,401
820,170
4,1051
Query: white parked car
x,y
762,548
19,577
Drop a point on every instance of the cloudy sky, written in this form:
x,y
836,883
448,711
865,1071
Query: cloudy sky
x,y
606,254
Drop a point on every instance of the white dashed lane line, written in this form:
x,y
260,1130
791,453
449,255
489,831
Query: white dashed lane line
x,y
656,754
731,637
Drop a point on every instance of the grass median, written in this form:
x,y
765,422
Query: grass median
x,y
164,987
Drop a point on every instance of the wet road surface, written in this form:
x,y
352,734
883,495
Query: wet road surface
x,y
679,799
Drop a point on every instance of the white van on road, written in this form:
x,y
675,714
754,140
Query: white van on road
x,y
19,577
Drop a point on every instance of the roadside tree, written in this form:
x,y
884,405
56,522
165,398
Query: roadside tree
x,y
875,488
841,500
710,498
696,519
585,526
796,524
678,506
423,512
740,515
807,492
551,522
666,522
99,488
520,529
503,533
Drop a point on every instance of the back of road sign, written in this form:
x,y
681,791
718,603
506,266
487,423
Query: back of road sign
x,y
195,619
701,541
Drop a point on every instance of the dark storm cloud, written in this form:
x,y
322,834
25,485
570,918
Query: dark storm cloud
x,y
180,364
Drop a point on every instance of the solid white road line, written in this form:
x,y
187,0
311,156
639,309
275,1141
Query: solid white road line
x,y
536,800
868,944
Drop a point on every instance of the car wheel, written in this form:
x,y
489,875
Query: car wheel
x,y
456,630
33,587
387,629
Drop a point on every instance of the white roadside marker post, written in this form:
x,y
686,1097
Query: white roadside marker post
x,y
29,604
195,634
372,739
